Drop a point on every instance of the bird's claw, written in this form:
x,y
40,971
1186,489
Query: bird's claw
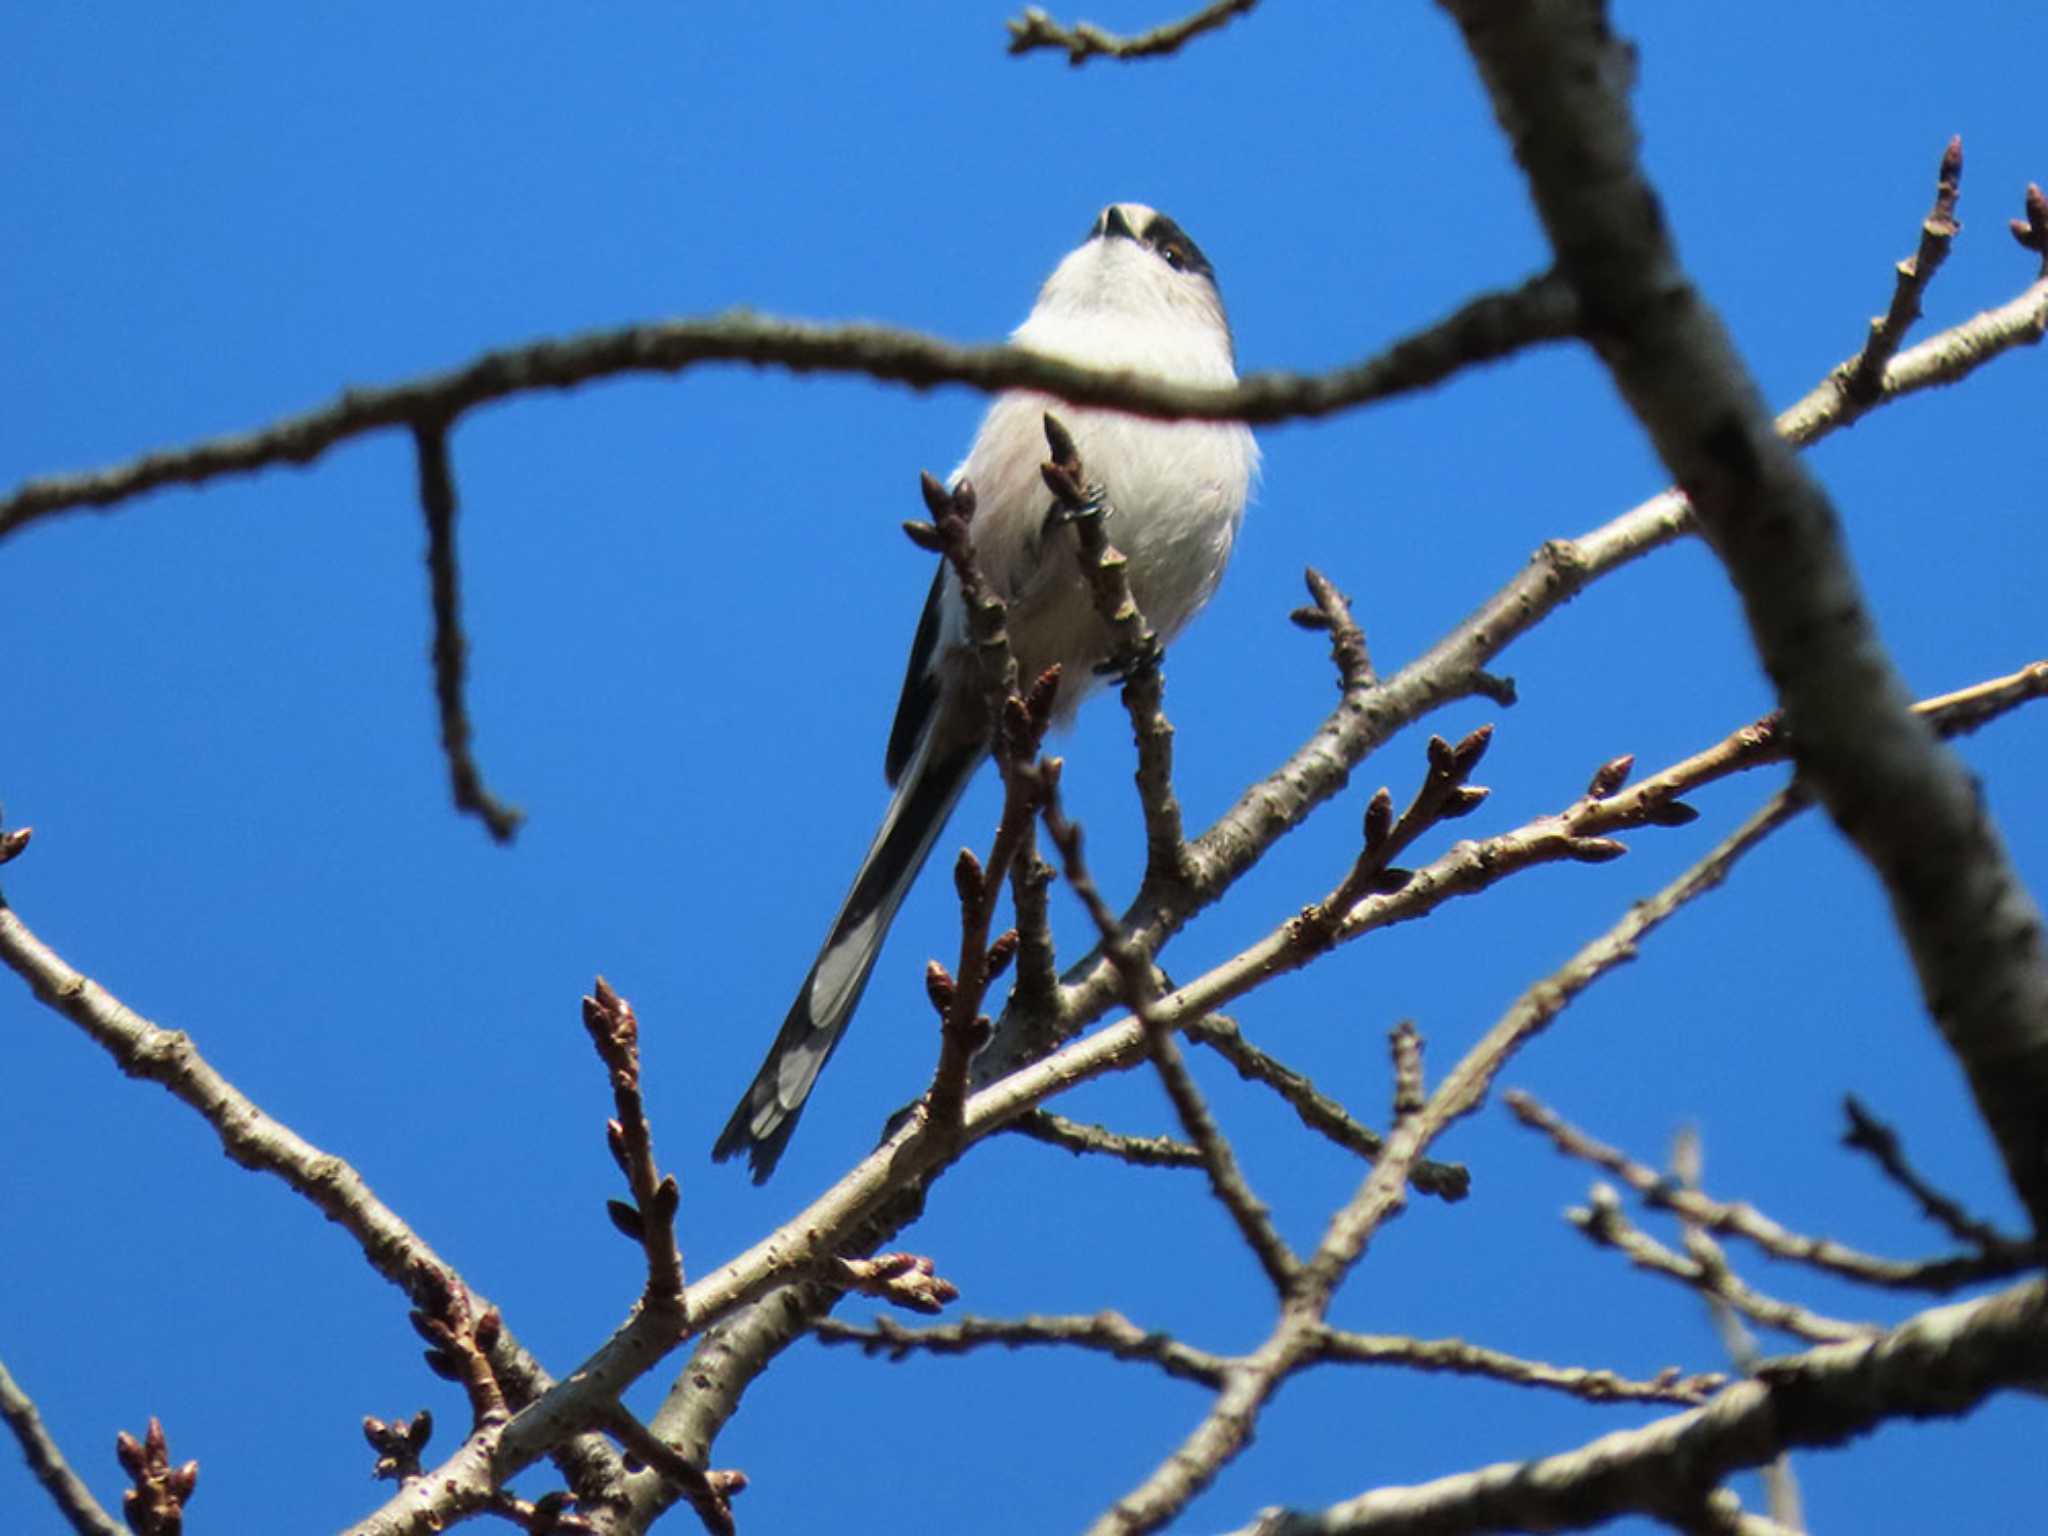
x,y
1126,665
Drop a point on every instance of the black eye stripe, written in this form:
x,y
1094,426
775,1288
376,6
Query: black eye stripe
x,y
1163,235
1172,242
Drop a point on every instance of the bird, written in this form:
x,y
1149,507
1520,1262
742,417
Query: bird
x,y
1137,294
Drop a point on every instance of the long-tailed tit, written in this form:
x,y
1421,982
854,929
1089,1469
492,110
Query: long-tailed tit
x,y
1137,294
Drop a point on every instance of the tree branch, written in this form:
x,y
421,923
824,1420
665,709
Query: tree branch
x,y
258,1142
1484,329
451,650
67,1490
1740,1219
1372,712
1035,30
1939,1364
1558,76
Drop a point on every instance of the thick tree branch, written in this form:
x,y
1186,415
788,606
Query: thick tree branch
x,y
1559,76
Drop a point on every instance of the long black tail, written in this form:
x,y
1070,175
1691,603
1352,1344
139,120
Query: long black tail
x,y
768,1112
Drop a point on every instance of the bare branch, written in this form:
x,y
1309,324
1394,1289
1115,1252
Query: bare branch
x,y
1939,1364
399,1444
1721,1513
1086,508
1082,41
437,499
1036,996
1109,1332
1739,1219
255,1140
1871,1135
1072,1136
1318,1111
1456,1357
1483,330
460,1335
1113,1334
1332,615
248,1135
1370,715
1781,1483
1253,1218
2032,231
1604,1223
1558,75
650,1220
67,1490
1017,725
1230,1421
1863,377
709,1493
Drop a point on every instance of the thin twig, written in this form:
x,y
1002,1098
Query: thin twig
x,y
1739,1219
1113,1334
2032,231
1036,994
650,1220
1781,1483
1253,1218
1872,1136
1108,1332
66,1489
1720,1513
1017,724
1456,1357
1317,1110
437,499
1053,1130
1135,653
1863,377
709,1492
1332,616
1035,30
1604,1223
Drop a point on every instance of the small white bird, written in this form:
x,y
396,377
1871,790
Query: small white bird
x,y
1137,294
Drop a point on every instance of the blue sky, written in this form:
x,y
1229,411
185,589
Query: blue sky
x,y
688,603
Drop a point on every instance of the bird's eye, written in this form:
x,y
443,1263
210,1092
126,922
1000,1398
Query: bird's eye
x,y
1174,257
